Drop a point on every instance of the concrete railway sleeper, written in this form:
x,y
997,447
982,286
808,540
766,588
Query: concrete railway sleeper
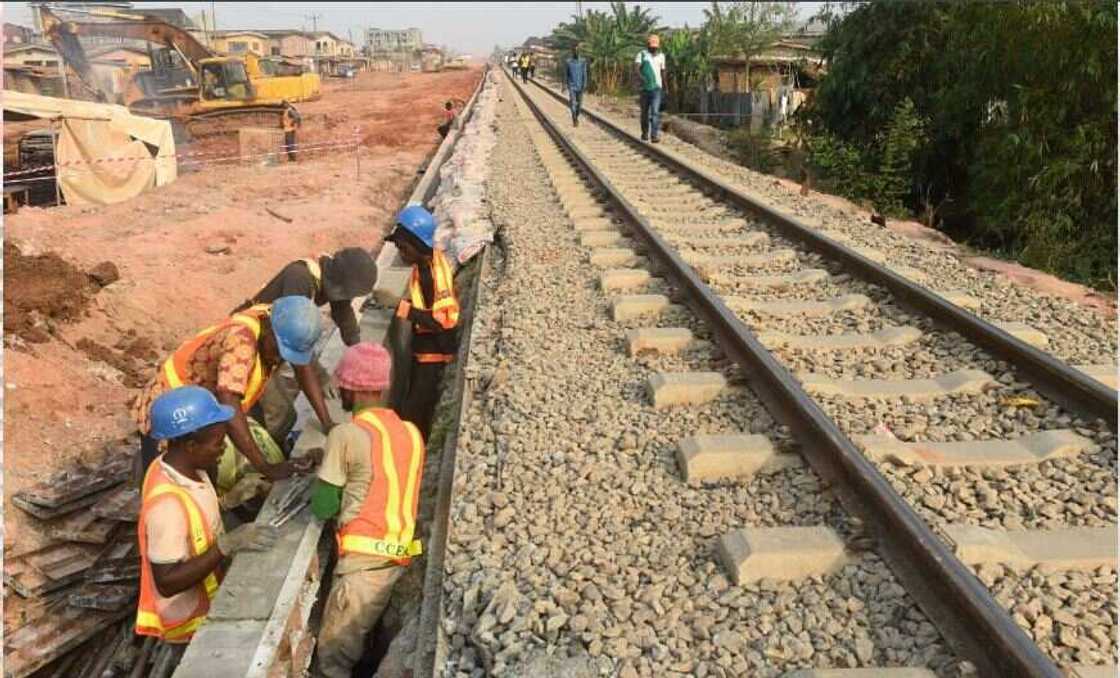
x,y
956,600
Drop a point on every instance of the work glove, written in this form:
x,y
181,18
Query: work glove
x,y
248,537
247,488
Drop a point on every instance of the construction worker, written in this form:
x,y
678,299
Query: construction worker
x,y
651,71
291,121
525,64
182,542
432,307
336,280
575,81
234,360
369,482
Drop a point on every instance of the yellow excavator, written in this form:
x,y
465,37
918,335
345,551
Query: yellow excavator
x,y
189,83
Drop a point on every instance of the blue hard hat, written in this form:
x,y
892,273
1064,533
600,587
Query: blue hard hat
x,y
184,410
420,223
295,322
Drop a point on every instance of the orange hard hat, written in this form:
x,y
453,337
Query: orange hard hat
x,y
653,41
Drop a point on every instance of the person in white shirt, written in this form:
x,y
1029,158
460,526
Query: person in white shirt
x,y
651,70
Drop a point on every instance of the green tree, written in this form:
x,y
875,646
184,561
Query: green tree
x,y
609,40
743,29
688,65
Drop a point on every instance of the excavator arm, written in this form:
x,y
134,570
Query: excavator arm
x,y
64,35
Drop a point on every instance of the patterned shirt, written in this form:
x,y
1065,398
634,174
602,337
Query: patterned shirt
x,y
224,361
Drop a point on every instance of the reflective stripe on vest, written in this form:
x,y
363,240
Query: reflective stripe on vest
x,y
316,274
386,521
148,621
174,368
445,307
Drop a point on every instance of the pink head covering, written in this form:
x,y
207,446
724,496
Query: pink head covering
x,y
364,367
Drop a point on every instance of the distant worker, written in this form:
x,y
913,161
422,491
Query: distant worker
x,y
182,541
575,82
524,64
451,108
336,280
234,360
369,482
291,121
532,65
432,307
651,70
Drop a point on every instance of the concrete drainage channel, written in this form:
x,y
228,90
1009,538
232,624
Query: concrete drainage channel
x,y
264,620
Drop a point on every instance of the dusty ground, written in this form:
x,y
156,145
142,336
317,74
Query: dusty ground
x,y
69,384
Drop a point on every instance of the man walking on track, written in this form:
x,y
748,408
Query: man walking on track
x,y
369,482
433,309
575,81
651,70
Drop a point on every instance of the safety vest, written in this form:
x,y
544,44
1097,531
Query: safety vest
x,y
316,274
445,307
148,619
387,520
175,368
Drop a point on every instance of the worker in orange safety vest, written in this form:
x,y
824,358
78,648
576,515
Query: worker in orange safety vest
x,y
234,360
182,543
369,482
433,309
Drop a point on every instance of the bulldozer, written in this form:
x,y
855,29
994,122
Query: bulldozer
x,y
204,92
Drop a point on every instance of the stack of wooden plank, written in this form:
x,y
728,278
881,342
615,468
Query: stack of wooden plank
x,y
82,586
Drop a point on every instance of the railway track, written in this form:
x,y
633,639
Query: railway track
x,y
713,297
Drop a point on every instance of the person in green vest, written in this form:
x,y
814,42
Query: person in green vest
x,y
651,70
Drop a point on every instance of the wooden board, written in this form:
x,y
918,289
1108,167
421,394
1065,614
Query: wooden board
x,y
120,504
50,513
48,569
80,481
40,643
83,527
106,597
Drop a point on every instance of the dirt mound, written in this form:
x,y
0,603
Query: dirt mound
x,y
41,290
133,356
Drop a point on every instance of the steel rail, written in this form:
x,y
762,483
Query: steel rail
x,y
963,610
1069,387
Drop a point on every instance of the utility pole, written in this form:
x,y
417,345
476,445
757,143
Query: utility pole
x,y
213,17
579,9
314,22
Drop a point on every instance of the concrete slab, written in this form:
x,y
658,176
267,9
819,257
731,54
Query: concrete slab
x,y
710,262
600,238
590,212
660,340
1071,548
962,381
808,309
751,239
391,284
594,224
630,306
1024,332
1030,449
888,336
672,226
1086,671
869,253
667,389
718,457
1106,374
783,553
613,256
892,672
221,649
961,299
808,276
623,279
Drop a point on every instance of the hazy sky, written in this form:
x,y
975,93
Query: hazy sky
x,y
469,27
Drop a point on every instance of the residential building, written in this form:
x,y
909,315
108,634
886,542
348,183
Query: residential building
x,y
289,43
240,42
17,35
31,55
324,43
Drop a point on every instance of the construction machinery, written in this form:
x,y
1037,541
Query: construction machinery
x,y
207,93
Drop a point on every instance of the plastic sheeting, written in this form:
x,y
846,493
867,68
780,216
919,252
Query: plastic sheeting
x,y
463,223
104,153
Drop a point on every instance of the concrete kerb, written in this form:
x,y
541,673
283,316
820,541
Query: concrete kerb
x,y
293,576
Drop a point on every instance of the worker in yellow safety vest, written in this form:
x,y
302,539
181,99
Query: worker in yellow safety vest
x,y
182,543
369,482
433,309
234,360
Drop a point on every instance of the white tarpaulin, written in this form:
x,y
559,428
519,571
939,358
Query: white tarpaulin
x,y
103,153
463,225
